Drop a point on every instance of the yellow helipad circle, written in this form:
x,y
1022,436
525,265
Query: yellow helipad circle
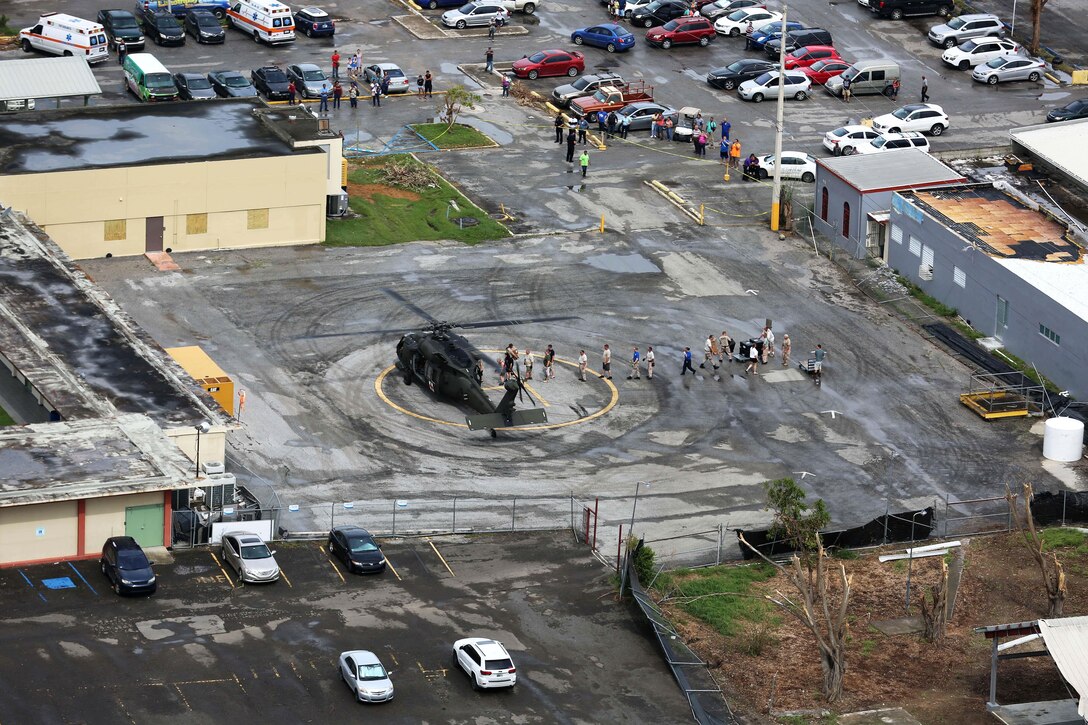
x,y
615,396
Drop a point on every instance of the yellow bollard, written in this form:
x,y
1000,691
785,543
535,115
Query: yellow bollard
x,y
702,215
726,177
602,223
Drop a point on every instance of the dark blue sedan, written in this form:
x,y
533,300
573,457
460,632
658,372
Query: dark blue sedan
x,y
609,36
314,22
769,31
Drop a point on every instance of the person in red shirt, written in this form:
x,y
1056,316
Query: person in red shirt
x,y
291,90
335,64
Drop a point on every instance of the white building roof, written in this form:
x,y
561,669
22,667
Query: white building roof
x,y
1065,283
891,170
1060,145
1067,641
47,78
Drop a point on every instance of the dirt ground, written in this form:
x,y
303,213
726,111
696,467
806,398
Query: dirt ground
x,y
948,684
369,191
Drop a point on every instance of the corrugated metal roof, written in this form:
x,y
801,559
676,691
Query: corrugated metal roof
x,y
890,170
1067,641
47,78
1059,144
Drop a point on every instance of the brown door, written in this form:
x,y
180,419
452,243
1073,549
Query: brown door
x,y
153,234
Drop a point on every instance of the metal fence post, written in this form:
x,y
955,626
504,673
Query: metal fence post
x,y
394,517
887,510
1064,495
946,516
513,514
332,516
718,558
455,514
572,510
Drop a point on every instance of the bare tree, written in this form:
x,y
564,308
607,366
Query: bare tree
x,y
820,606
935,608
454,101
1049,565
1036,19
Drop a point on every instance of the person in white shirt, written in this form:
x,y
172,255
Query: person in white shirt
x,y
528,359
650,362
606,363
583,363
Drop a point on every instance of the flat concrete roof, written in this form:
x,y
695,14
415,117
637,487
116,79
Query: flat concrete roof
x,y
118,136
1060,145
47,78
891,170
1066,284
76,346
126,454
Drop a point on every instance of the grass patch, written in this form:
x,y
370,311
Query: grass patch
x,y
845,554
6,419
1027,370
5,26
457,136
729,615
1062,539
931,302
391,215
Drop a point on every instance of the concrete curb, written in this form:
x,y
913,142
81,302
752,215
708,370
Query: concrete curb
x,y
434,32
675,199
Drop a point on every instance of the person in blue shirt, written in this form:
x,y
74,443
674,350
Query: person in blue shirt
x,y
687,362
636,366
602,121
324,107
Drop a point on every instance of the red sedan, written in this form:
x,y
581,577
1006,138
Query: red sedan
x,y
550,63
682,31
804,57
823,70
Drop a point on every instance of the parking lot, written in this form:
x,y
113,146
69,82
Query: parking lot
x,y
206,650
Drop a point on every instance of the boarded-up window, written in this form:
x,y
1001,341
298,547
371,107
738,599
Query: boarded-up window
x,y
196,224
116,230
258,219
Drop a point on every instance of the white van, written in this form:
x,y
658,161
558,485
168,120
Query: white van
x,y
62,34
265,20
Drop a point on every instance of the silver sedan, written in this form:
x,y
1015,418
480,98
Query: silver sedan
x,y
250,557
1013,68
365,676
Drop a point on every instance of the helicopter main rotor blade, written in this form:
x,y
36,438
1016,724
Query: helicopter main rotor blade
x,y
506,323
411,305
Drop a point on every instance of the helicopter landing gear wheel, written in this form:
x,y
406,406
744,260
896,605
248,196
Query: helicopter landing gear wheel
x,y
494,434
408,379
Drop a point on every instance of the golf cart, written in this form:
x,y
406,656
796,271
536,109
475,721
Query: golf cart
x,y
685,124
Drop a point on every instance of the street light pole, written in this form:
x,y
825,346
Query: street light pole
x,y
631,533
910,559
776,193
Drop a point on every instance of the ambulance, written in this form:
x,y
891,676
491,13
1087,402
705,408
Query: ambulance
x,y
62,34
265,20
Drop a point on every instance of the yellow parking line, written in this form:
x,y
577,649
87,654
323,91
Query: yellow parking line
x,y
390,565
539,397
284,575
222,569
442,558
334,566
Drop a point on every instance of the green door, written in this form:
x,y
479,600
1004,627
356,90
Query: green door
x,y
144,523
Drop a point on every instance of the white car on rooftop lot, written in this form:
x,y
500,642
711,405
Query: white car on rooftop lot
x,y
486,662
893,141
923,117
766,86
795,165
845,140
971,53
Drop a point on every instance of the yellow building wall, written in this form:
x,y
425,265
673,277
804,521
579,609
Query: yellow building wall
x,y
105,517
73,206
39,531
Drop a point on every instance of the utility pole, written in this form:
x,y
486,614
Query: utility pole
x,y
776,194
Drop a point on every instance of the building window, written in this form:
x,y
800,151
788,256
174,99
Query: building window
x,y
915,246
115,230
258,219
959,277
196,224
897,234
823,203
1050,334
846,219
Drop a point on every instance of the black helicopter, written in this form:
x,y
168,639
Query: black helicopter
x,y
452,368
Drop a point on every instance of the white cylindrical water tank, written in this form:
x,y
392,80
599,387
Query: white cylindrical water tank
x,y
1063,439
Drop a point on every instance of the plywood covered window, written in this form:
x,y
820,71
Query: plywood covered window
x,y
823,203
257,219
846,219
115,230
196,224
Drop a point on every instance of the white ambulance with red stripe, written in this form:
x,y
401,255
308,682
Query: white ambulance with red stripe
x,y
62,34
265,20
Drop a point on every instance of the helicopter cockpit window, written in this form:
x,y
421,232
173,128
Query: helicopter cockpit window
x,y
459,357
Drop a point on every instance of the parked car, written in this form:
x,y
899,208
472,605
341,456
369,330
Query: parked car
x,y
435,4
1016,68
682,31
365,676
272,82
736,22
659,12
231,84
520,6
794,39
248,555
804,57
769,31
309,79
737,72
822,71
795,165
845,140
797,86
121,25
486,662
474,14
899,9
642,114
866,76
127,567
587,85
380,72
163,28
715,10
1069,112
314,22
194,87
203,26
550,63
218,8
895,141
971,53
610,36
966,27
356,550
913,117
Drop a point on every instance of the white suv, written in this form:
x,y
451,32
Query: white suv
x,y
846,140
893,141
976,52
923,117
486,662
